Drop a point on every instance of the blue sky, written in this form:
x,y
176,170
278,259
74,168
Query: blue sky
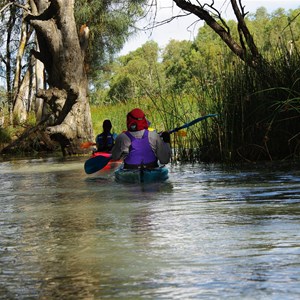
x,y
186,28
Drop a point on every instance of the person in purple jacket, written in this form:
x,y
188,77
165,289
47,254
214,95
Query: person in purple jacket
x,y
140,147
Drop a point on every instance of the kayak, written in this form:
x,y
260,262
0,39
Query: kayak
x,y
141,175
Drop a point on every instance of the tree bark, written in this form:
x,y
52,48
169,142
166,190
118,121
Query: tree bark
x,y
63,59
24,96
40,107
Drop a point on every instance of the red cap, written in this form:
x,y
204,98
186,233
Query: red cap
x,y
136,120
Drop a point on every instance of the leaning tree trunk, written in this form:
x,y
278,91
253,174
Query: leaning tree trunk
x,y
60,52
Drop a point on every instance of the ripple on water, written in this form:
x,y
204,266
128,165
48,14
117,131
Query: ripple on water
x,y
208,232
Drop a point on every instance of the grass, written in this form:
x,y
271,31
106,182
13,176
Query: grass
x,y
166,113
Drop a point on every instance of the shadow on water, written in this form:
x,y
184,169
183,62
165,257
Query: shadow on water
x,y
209,232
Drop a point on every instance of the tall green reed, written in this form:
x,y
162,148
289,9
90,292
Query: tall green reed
x,y
258,112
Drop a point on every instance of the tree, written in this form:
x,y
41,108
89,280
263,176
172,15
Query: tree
x,y
111,23
61,54
63,51
9,46
260,120
176,63
68,121
136,74
23,75
245,48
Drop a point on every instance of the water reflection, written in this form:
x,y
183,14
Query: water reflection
x,y
209,232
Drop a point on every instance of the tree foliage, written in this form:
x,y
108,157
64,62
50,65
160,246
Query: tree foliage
x,y
257,110
266,43
135,75
110,23
60,97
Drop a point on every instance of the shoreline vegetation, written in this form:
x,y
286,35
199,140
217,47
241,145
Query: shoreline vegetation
x,y
258,109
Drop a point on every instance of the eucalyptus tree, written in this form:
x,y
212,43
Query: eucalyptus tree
x,y
110,24
242,44
136,75
11,21
244,47
62,47
176,63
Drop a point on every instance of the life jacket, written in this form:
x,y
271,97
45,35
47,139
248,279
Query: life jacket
x,y
105,142
140,153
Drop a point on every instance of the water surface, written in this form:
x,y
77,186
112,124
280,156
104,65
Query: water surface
x,y
209,232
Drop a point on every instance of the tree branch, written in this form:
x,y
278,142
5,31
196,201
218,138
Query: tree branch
x,y
26,8
204,15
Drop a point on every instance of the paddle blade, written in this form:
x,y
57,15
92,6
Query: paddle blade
x,y
86,145
96,163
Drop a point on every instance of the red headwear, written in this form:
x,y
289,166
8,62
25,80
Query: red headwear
x,y
136,120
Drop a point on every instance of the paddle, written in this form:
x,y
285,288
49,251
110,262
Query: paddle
x,y
86,145
192,123
98,162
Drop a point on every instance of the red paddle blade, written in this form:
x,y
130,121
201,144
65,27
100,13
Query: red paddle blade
x,y
86,145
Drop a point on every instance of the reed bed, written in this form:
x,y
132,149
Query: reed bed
x,y
165,113
258,114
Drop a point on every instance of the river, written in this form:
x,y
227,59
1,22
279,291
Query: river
x,y
209,232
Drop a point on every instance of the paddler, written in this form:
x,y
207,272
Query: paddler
x,y
106,139
140,147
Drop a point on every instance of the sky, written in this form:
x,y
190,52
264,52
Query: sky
x,y
186,27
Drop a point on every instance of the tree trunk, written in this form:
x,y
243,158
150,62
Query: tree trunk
x,y
40,107
23,97
63,59
9,64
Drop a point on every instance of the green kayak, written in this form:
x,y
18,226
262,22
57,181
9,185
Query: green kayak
x,y
141,175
